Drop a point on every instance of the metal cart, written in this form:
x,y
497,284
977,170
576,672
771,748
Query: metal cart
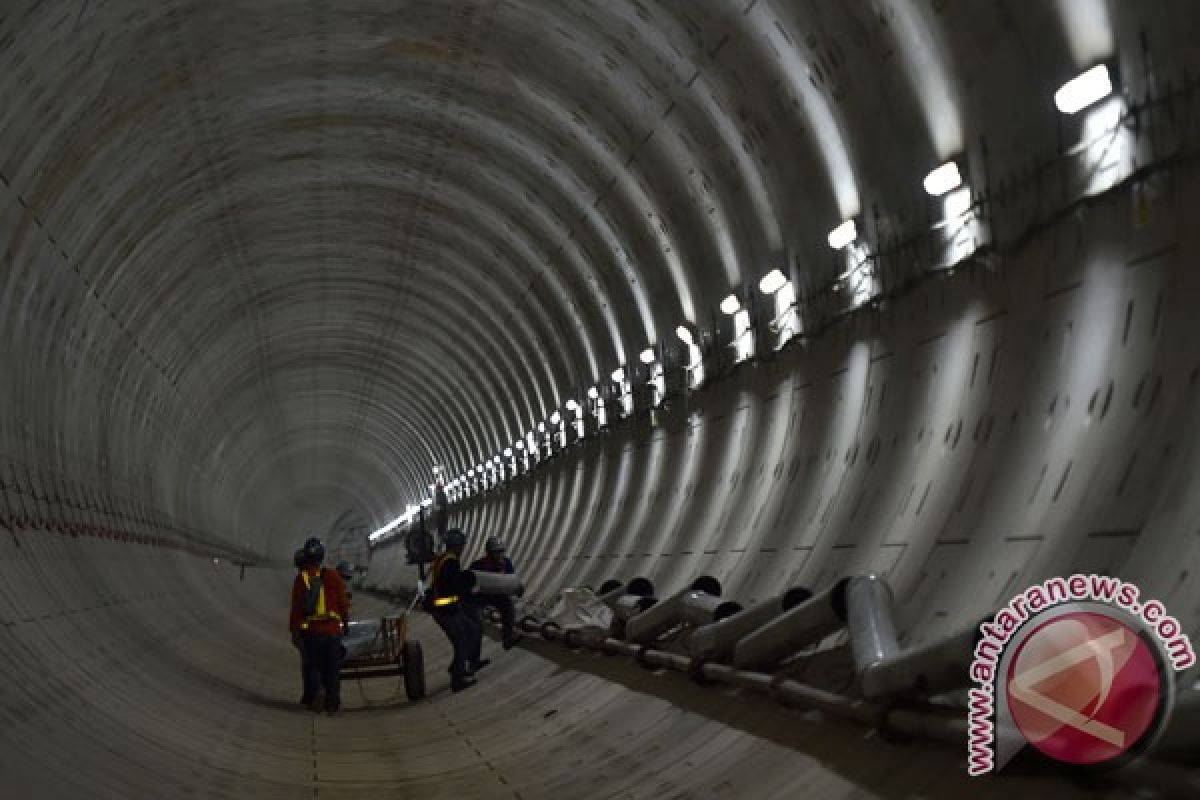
x,y
389,653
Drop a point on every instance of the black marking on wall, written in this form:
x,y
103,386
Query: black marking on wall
x,y
1038,486
1062,482
1126,474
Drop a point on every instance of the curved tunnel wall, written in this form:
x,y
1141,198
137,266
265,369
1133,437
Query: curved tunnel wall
x,y
260,264
987,431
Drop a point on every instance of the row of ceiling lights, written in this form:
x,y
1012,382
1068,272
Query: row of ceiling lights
x,y
1075,95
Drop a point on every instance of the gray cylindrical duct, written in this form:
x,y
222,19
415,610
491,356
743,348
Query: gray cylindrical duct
x,y
699,608
790,632
716,641
651,624
867,612
932,668
654,622
495,583
625,608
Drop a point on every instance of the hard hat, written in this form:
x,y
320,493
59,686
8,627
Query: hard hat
x,y
455,539
314,550
494,545
298,558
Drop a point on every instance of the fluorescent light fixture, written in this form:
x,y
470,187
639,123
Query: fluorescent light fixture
x,y
685,336
594,393
957,203
520,445
555,418
496,460
647,356
618,375
541,427
572,405
943,179
731,305
508,452
1083,90
772,282
843,235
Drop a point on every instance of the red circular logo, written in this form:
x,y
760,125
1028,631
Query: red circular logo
x,y
1084,687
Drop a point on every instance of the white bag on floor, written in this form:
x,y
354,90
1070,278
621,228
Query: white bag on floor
x,y
579,608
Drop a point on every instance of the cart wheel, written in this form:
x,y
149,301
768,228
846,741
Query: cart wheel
x,y
414,669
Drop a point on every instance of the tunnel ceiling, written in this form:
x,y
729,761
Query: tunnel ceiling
x,y
265,261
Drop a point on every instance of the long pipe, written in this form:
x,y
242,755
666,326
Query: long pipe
x,y
929,669
654,622
701,608
790,632
867,612
495,583
716,640
691,606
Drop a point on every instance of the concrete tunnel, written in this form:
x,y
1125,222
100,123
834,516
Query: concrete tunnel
x,y
779,292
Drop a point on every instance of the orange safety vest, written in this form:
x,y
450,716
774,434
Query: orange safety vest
x,y
436,578
322,613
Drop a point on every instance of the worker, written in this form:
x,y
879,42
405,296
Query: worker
x,y
317,622
495,560
449,583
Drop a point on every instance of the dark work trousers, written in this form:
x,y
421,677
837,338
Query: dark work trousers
x,y
508,614
309,689
474,614
323,657
454,623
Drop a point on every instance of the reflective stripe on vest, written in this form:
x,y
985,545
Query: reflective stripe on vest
x,y
436,579
322,612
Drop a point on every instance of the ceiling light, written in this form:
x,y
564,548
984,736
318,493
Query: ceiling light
x,y
843,234
618,375
541,427
958,203
1080,92
572,405
772,282
520,445
943,179
508,452
555,418
647,356
594,393
730,305
685,336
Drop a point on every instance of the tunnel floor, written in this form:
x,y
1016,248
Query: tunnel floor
x,y
161,692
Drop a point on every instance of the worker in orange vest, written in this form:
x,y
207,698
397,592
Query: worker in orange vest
x,y
449,585
318,619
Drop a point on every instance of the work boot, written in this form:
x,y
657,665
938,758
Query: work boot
x,y
510,641
459,685
478,665
468,670
317,704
